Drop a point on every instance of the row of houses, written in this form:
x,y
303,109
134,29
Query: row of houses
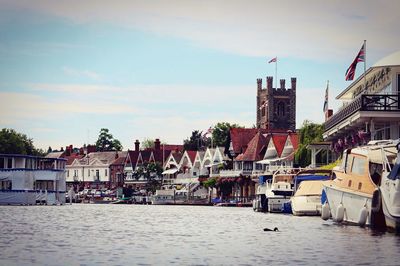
x,y
247,154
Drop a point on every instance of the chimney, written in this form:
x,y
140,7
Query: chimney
x,y
68,150
157,145
269,82
293,83
81,151
259,84
282,83
137,145
116,155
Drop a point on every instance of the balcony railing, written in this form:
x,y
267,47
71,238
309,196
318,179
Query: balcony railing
x,y
366,102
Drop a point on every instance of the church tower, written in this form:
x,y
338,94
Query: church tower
x,y
276,107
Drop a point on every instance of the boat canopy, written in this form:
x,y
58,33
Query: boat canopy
x,y
309,188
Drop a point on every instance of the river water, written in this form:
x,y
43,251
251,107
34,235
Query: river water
x,y
90,234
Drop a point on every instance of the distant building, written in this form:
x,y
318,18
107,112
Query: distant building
x,y
276,107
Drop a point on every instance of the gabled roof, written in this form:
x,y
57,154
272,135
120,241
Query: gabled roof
x,y
132,158
177,156
192,155
173,147
279,141
72,157
159,156
240,137
146,155
119,161
255,148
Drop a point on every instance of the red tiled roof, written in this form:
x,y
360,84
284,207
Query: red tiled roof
x,y
72,157
133,155
172,147
119,161
279,141
192,155
254,149
240,137
146,154
294,138
158,155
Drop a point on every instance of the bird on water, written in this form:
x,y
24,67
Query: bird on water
x,y
267,229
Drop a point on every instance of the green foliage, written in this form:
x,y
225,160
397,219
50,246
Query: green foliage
x,y
195,142
152,173
220,133
210,182
12,142
148,144
331,165
308,133
106,142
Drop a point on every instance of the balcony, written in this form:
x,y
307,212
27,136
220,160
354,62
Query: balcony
x,y
366,102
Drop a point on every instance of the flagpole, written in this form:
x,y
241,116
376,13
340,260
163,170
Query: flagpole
x,y
327,95
365,66
276,73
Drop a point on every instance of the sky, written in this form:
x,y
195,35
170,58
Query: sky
x,y
161,69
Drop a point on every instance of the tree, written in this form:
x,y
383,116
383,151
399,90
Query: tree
x,y
194,142
12,142
106,142
152,173
220,133
308,133
148,144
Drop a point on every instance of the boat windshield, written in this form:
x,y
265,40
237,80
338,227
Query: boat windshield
x,y
395,173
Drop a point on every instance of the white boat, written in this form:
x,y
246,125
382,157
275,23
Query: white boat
x,y
387,199
308,189
349,194
260,201
187,193
28,180
280,189
307,198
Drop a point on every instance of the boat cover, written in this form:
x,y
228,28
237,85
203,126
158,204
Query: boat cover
x,y
307,188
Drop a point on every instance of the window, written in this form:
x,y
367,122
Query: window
x,y
67,173
358,166
9,164
5,185
1,163
281,109
88,172
75,173
349,161
105,172
97,175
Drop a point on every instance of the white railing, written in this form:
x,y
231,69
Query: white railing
x,y
229,173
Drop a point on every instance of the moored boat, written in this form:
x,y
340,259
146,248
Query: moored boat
x,y
308,189
29,180
388,196
350,194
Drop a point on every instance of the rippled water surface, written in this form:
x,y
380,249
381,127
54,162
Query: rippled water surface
x,y
84,234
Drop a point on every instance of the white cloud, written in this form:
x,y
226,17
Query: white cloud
x,y
82,73
305,29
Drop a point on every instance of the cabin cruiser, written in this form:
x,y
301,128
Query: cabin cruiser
x,y
308,189
280,189
387,199
355,184
29,180
188,193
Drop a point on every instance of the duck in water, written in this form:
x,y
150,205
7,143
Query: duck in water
x,y
267,229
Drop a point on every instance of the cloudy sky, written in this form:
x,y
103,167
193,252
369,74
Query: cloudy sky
x,y
161,69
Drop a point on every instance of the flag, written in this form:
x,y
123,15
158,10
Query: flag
x,y
326,98
352,68
272,60
209,131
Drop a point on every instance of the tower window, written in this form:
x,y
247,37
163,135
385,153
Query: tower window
x,y
281,109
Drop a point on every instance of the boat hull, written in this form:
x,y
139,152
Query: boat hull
x,y
306,205
351,202
391,203
275,203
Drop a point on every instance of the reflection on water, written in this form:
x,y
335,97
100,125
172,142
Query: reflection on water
x,y
84,234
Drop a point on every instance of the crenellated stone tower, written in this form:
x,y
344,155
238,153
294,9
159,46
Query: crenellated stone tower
x,y
276,107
